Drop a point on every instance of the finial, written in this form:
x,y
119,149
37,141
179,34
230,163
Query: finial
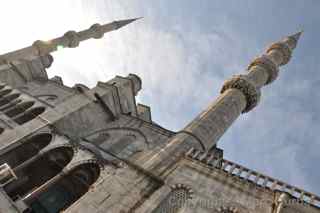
x,y
122,23
296,36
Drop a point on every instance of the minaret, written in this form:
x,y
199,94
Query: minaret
x,y
240,94
70,39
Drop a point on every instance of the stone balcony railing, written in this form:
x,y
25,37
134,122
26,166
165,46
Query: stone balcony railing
x,y
249,175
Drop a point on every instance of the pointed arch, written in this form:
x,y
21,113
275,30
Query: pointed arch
x,y
123,142
11,104
8,99
19,108
61,194
29,115
28,148
35,173
5,92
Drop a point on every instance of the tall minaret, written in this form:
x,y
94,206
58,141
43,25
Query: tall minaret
x,y
240,94
70,39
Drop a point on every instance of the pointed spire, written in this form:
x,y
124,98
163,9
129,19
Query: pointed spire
x,y
122,23
70,39
296,36
292,40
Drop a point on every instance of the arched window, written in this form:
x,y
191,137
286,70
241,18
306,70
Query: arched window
x,y
29,115
2,86
5,92
9,105
65,191
175,200
8,99
37,171
26,150
20,108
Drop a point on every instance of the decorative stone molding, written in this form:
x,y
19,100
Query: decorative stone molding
x,y
225,209
141,137
97,31
73,38
73,165
213,158
254,178
284,49
249,90
265,62
180,186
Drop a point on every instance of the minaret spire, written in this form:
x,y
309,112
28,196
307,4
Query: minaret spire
x,y
297,35
70,39
123,23
240,94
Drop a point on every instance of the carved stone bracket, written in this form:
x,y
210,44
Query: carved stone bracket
x,y
265,62
247,87
284,49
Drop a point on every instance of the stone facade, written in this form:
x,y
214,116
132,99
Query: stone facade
x,y
79,149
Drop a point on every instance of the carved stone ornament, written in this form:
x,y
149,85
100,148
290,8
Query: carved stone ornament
x,y
265,62
225,209
184,187
96,31
284,49
73,38
247,87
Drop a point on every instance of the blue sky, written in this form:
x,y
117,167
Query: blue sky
x,y
183,50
